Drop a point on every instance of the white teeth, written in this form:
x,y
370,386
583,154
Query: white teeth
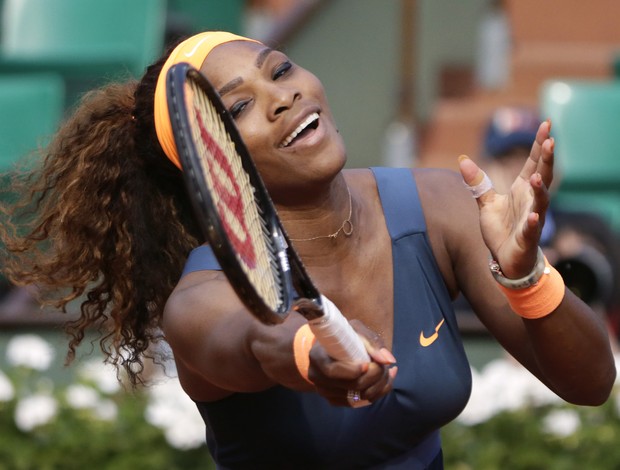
x,y
311,118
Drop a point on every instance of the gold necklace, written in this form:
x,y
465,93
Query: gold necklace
x,y
346,227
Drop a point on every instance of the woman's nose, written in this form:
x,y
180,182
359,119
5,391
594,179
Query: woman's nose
x,y
283,98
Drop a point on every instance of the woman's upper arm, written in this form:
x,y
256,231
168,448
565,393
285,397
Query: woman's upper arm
x,y
210,333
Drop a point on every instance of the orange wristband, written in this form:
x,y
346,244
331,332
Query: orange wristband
x,y
540,299
302,344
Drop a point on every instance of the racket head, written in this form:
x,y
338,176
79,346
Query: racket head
x,y
229,198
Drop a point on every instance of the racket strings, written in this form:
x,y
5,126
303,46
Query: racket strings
x,y
235,199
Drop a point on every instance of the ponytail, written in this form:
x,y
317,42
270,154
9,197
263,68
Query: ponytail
x,y
106,220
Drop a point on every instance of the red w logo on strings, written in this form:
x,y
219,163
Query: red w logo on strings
x,y
229,199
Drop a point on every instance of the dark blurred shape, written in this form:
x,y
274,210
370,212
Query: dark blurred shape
x,y
510,128
586,252
588,274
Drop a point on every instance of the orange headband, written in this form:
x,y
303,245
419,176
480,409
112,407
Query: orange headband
x,y
194,51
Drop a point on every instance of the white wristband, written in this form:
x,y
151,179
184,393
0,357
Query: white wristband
x,y
523,283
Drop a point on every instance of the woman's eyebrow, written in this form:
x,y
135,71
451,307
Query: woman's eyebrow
x,y
258,63
234,83
262,56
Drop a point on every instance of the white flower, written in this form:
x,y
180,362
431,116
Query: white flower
x,y
106,410
81,396
562,423
185,435
173,411
30,351
7,391
101,374
478,409
503,385
34,411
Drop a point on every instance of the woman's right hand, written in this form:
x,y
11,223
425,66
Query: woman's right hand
x,y
335,379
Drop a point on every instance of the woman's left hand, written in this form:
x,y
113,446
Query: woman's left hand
x,y
511,223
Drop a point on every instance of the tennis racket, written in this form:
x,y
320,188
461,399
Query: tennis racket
x,y
239,219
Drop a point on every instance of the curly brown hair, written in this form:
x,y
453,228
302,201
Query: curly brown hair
x,y
104,219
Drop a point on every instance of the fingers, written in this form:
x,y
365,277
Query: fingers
x,y
337,380
545,167
374,344
369,387
476,180
379,388
542,134
536,218
538,170
541,156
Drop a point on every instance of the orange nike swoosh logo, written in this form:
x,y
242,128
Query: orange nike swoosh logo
x,y
424,341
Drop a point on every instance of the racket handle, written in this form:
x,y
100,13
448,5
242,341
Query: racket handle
x,y
334,332
337,336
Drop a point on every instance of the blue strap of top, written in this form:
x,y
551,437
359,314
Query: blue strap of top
x,y
201,258
395,186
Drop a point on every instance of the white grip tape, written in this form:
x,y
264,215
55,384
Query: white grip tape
x,y
337,336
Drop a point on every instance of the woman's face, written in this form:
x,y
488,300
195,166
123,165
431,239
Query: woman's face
x,y
281,112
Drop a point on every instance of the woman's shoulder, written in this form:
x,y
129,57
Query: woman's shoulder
x,y
437,178
194,293
442,188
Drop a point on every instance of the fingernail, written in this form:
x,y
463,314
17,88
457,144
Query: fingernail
x,y
393,371
463,157
388,356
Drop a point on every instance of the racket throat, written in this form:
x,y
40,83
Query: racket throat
x,y
307,302
310,309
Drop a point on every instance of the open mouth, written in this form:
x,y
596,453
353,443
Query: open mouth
x,y
309,124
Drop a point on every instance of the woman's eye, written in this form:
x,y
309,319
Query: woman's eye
x,y
237,108
282,69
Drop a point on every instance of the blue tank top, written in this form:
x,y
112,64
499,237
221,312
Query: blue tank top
x,y
281,428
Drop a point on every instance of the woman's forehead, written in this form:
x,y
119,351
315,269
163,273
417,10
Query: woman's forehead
x,y
231,58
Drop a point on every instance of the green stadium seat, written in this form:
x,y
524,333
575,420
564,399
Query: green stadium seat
x,y
32,108
585,118
605,204
87,41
